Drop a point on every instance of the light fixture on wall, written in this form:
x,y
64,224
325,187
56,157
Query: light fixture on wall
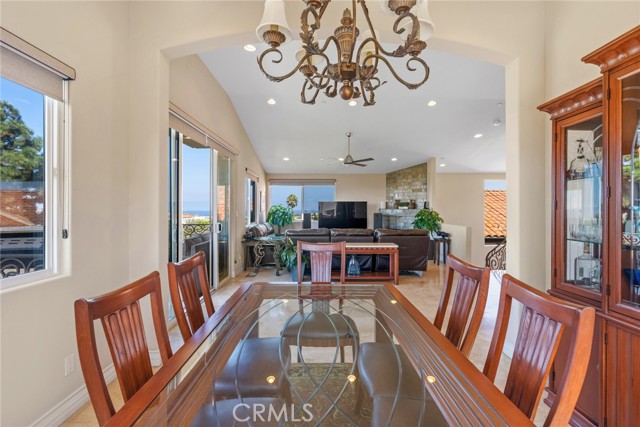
x,y
355,65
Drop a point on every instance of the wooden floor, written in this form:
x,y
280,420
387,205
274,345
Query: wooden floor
x,y
423,292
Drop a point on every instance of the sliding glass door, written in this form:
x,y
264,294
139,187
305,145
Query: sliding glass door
x,y
199,204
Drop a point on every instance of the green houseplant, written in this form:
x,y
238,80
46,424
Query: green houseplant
x,y
280,216
289,258
427,219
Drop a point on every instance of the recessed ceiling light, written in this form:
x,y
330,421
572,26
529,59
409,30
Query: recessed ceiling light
x,y
394,159
432,103
249,48
497,122
341,159
353,103
499,104
443,165
477,135
286,159
271,101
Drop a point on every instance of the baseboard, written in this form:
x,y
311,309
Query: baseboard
x,y
156,359
508,349
72,403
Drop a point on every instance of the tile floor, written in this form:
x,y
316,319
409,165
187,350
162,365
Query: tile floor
x,y
423,292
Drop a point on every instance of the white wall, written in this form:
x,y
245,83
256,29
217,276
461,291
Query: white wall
x,y
460,201
121,52
194,90
370,188
37,322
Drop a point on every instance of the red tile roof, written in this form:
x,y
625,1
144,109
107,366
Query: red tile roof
x,y
495,213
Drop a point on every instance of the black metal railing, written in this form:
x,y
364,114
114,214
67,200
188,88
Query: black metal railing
x,y
496,259
21,251
190,230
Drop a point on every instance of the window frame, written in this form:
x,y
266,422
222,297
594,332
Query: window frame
x,y
302,184
56,185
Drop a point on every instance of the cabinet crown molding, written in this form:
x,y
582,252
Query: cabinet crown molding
x,y
617,51
584,96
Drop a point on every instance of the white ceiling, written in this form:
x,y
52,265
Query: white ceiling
x,y
469,95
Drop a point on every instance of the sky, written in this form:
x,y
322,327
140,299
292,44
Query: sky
x,y
29,102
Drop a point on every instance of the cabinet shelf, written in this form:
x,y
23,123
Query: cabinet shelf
x,y
573,239
586,178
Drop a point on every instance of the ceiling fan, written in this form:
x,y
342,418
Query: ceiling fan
x,y
348,160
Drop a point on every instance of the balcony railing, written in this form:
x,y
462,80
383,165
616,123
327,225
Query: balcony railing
x,y
190,230
21,250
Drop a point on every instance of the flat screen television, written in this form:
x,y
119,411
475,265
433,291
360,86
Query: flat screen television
x,y
342,214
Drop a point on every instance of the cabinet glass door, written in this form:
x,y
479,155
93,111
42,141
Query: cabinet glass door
x,y
626,131
582,205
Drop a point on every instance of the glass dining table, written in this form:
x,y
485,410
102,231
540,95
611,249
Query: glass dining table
x,y
319,388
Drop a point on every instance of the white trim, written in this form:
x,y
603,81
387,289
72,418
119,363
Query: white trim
x,y
508,349
156,359
71,404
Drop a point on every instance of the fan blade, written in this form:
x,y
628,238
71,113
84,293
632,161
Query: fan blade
x,y
357,164
363,160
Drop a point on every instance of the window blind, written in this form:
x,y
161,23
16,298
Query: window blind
x,y
199,135
302,181
29,66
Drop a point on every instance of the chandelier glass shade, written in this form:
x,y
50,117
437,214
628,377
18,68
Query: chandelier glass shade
x,y
348,61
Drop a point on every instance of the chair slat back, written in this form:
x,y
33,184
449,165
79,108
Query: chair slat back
x,y
187,282
473,284
543,322
320,255
120,314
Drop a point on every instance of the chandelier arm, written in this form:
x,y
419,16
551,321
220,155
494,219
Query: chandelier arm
x,y
277,61
308,31
365,12
321,84
303,96
363,90
410,60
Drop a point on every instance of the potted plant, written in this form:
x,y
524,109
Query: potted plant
x,y
289,258
280,216
430,220
427,219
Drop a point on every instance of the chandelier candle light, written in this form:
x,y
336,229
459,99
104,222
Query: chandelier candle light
x,y
355,64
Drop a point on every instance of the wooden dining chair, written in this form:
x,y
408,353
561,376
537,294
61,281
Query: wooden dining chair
x,y
472,284
462,329
187,283
321,327
122,321
544,321
244,371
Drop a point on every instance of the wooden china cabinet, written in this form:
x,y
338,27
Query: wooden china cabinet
x,y
596,227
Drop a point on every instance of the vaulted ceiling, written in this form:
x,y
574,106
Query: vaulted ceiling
x,y
470,101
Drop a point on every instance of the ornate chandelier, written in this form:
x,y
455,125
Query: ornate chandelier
x,y
355,65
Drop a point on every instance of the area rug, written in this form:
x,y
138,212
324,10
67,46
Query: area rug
x,y
325,386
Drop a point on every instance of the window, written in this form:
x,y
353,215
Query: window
x,y
495,211
32,161
307,194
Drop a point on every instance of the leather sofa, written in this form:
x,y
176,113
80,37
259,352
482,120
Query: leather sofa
x,y
353,235
413,245
413,248
313,235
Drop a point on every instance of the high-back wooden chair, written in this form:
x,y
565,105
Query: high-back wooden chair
x,y
544,321
121,319
321,327
320,256
245,367
187,281
473,284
